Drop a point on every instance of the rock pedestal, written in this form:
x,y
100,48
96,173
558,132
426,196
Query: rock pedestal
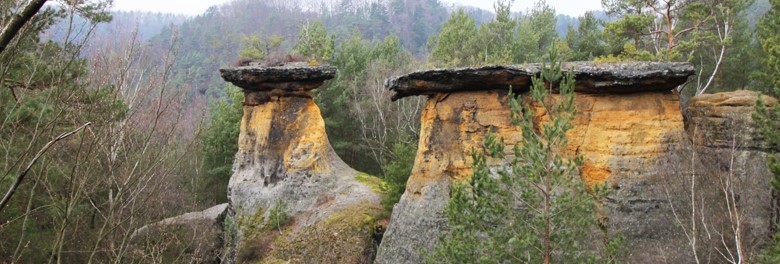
x,y
628,119
286,164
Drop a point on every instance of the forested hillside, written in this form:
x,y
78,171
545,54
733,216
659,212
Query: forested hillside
x,y
112,120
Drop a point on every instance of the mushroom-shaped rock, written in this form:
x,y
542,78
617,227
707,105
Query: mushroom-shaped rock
x,y
628,119
286,164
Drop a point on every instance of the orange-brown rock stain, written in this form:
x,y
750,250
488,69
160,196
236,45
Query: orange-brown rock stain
x,y
452,126
288,126
615,133
622,133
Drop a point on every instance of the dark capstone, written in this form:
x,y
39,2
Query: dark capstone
x,y
625,77
290,77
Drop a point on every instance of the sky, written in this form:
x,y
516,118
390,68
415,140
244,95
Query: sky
x,y
195,7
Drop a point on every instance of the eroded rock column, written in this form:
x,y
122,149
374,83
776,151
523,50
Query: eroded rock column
x,y
286,163
628,119
731,171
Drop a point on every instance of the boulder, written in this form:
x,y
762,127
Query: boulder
x,y
204,230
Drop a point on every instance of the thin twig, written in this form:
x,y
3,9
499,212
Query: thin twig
x,y
40,153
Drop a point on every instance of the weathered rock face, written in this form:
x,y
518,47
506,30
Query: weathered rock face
x,y
717,120
623,135
628,119
285,158
731,167
452,126
591,78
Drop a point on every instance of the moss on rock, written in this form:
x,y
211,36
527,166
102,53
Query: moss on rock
x,y
250,225
376,184
345,237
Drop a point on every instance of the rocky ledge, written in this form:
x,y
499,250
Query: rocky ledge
x,y
626,77
289,77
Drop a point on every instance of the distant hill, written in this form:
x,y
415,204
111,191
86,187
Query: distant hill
x,y
213,39
147,25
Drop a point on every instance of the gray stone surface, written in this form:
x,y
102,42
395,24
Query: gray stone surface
x,y
203,232
298,76
626,77
213,215
416,225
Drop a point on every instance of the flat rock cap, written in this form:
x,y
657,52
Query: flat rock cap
x,y
296,76
591,77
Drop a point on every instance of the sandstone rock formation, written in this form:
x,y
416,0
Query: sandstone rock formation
x,y
731,167
285,163
717,120
628,119
670,172
452,126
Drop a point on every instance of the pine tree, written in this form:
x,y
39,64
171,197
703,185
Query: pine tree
x,y
219,144
535,33
532,207
314,42
586,41
768,118
767,31
456,45
497,36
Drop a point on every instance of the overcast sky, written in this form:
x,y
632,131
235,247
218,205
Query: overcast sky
x,y
194,7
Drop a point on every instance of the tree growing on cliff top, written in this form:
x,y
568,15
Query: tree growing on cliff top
x,y
314,42
532,208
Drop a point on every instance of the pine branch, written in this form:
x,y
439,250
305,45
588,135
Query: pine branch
x,y
40,153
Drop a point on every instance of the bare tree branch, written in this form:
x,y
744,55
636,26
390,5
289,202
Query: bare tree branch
x,y
17,22
40,153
